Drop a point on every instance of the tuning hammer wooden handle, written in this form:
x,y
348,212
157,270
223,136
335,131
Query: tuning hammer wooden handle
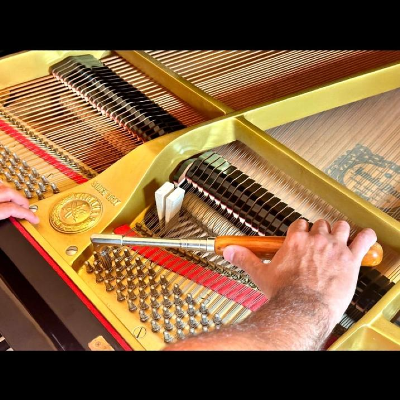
x,y
266,246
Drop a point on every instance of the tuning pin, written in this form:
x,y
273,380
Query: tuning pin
x,y
189,299
119,274
143,316
167,337
12,162
120,285
180,335
99,278
192,331
105,259
96,256
205,328
35,173
153,291
127,252
138,261
54,188
131,305
32,179
116,252
152,282
12,170
97,266
118,263
204,320
39,194
9,177
30,187
109,275
89,267
192,322
179,323
166,313
155,315
165,291
142,293
109,286
143,305
7,150
23,171
142,283
203,309
42,188
127,261
44,179
15,158
140,273
151,272
20,178
129,271
191,311
177,300
163,280
166,302
155,327
154,302
131,294
120,295
28,194
217,319
177,290
17,185
25,165
179,312
167,325
130,283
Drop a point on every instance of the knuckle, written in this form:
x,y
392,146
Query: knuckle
x,y
342,223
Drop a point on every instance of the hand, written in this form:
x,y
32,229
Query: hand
x,y
12,204
318,260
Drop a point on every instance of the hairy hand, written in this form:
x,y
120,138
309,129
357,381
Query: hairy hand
x,y
318,261
12,204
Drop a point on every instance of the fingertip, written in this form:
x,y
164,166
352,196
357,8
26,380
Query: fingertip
x,y
370,233
229,253
240,256
32,218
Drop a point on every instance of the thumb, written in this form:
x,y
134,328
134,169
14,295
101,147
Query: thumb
x,y
245,259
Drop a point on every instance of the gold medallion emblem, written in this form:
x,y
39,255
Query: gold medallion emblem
x,y
75,213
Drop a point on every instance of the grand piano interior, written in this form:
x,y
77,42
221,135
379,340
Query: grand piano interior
x,y
255,140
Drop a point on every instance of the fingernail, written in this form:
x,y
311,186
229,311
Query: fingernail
x,y
229,253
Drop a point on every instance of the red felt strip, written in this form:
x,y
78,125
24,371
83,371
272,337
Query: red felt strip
x,y
42,153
